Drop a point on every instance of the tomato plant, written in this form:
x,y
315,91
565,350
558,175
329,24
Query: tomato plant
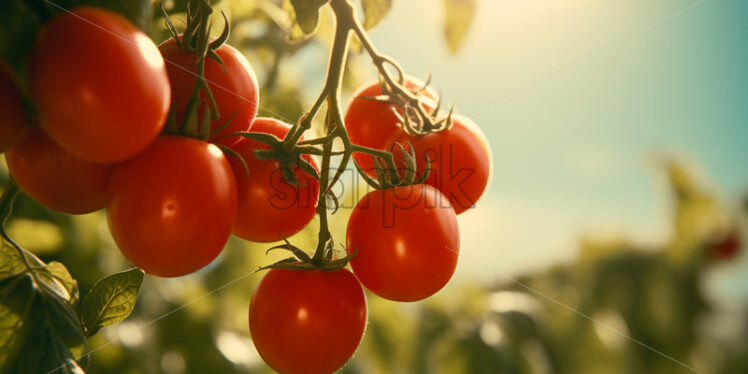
x,y
99,84
232,83
307,321
171,207
407,240
270,208
13,120
459,158
56,178
372,123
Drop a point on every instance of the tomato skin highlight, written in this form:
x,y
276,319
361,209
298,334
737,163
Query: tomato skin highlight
x,y
13,118
408,242
100,85
460,160
56,178
234,89
307,322
270,208
171,207
372,123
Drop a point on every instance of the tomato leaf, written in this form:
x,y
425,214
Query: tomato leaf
x,y
457,17
306,13
375,11
110,300
39,330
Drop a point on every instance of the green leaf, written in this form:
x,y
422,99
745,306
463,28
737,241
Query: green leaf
x,y
307,13
457,17
111,300
11,262
38,329
375,11
59,273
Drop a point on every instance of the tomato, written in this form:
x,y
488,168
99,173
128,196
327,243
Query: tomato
x,y
56,178
407,241
13,119
460,160
372,123
306,322
100,85
724,248
234,88
171,207
270,208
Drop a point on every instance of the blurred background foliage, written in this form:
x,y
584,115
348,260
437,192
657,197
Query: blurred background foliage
x,y
619,307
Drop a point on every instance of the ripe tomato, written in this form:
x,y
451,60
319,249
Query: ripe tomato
x,y
724,248
306,322
407,241
234,88
100,85
372,123
56,178
171,207
270,208
13,119
460,160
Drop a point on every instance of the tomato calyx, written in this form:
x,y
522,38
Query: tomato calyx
x,y
196,39
288,158
419,113
302,261
405,175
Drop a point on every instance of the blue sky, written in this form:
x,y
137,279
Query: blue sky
x,y
577,97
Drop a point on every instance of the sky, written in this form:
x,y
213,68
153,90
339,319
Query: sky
x,y
577,99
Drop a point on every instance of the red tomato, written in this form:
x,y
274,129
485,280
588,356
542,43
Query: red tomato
x,y
460,160
372,123
724,248
270,208
407,240
13,118
307,322
171,207
100,85
56,178
234,88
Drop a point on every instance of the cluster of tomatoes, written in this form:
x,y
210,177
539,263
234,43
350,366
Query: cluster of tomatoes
x,y
404,241
101,93
90,131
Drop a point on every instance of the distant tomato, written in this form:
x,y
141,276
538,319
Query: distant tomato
x,y
270,208
56,178
724,248
171,207
372,123
460,159
13,118
407,240
99,83
307,322
233,85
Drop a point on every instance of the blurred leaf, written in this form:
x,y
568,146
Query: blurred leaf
x,y
139,12
375,11
38,328
307,13
457,17
111,300
19,22
38,236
